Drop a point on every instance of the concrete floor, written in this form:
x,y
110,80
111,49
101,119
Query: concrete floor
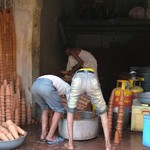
x,y
130,141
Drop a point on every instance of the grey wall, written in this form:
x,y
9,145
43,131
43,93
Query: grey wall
x,y
51,54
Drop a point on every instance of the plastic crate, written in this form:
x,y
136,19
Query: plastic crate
x,y
137,116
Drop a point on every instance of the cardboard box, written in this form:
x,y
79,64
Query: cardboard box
x,y
138,111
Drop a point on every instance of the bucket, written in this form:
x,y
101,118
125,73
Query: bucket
x,y
146,131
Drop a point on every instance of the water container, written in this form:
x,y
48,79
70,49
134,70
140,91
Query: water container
x,y
146,131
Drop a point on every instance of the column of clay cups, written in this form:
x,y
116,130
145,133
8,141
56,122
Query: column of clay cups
x,y
8,103
23,109
120,115
0,114
110,112
13,104
18,101
2,103
0,110
23,112
29,118
17,117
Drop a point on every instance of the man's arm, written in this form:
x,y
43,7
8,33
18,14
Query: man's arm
x,y
104,120
79,64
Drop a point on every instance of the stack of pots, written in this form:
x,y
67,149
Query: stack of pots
x,y
145,73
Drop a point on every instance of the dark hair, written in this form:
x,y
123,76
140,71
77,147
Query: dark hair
x,y
67,46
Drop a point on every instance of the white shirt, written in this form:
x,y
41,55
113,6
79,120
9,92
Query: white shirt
x,y
88,59
61,86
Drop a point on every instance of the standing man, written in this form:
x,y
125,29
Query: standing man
x,y
46,91
85,81
79,58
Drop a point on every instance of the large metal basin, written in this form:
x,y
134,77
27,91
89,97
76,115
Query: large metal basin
x,y
84,129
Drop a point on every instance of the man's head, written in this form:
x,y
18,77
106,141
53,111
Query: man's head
x,y
67,50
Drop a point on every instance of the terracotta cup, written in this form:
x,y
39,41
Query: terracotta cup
x,y
3,137
13,131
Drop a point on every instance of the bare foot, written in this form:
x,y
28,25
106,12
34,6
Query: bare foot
x,y
114,147
43,136
68,146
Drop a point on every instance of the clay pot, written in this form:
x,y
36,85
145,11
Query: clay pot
x,y
20,131
9,123
4,124
13,131
4,130
116,139
3,137
9,135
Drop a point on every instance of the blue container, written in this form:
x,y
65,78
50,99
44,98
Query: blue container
x,y
146,131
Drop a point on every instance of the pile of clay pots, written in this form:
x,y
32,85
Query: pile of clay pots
x,y
83,103
13,105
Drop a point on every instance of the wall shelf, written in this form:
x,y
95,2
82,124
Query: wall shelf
x,y
94,26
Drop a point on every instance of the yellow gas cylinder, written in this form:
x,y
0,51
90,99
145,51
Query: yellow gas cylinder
x,y
124,85
135,87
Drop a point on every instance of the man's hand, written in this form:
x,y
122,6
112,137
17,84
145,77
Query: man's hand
x,y
64,72
70,73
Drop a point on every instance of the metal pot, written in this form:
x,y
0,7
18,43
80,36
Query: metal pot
x,y
144,97
84,129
